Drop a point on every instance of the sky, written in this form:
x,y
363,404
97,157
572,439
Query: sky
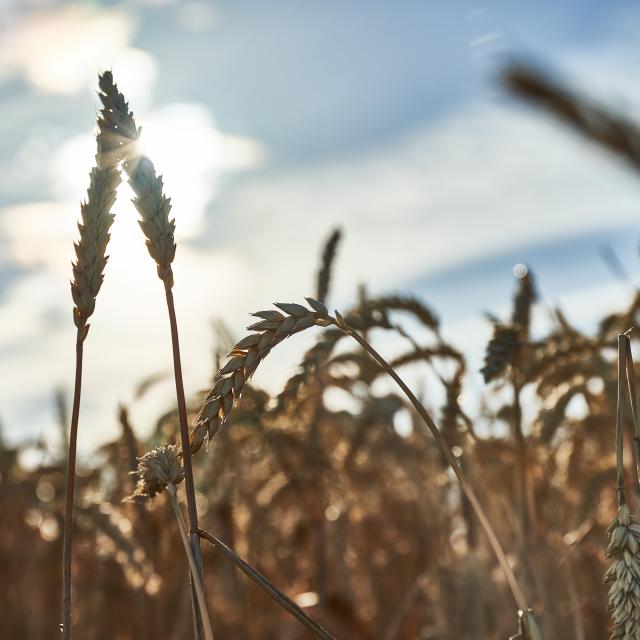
x,y
272,123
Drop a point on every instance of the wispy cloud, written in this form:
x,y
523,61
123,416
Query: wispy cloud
x,y
58,50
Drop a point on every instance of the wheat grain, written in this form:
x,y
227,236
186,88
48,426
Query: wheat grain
x,y
120,137
118,131
326,265
502,351
624,575
154,208
157,469
272,328
601,125
523,302
91,248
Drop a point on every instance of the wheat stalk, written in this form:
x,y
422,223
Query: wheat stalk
x,y
154,208
88,274
267,586
274,327
160,469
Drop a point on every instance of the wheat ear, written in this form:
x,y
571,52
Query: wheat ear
x,y
326,265
88,269
154,208
601,125
275,326
624,531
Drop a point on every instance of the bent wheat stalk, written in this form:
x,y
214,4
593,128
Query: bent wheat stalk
x,y
195,574
275,326
268,587
88,270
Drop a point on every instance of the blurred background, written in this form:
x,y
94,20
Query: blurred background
x,y
274,123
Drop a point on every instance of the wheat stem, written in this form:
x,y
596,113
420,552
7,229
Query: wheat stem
x,y
186,450
67,544
633,399
268,587
518,595
195,570
622,369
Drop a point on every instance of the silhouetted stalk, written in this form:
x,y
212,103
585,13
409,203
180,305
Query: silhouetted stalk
x,y
633,399
190,491
501,557
69,500
284,601
622,371
522,463
195,572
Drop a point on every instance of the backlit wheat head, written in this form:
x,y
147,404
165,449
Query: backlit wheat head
x,y
97,219
157,469
121,137
273,327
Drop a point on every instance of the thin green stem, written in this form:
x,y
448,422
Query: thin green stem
x,y
195,574
284,601
69,502
501,557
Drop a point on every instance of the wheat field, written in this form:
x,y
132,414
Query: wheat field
x,y
246,515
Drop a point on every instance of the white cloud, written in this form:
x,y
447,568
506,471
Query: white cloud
x,y
187,148
60,50
487,179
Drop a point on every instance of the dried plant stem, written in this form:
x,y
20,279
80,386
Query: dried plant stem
x,y
195,571
522,470
186,450
284,601
67,544
622,370
518,595
633,398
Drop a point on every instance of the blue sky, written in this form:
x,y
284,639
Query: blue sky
x,y
272,122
